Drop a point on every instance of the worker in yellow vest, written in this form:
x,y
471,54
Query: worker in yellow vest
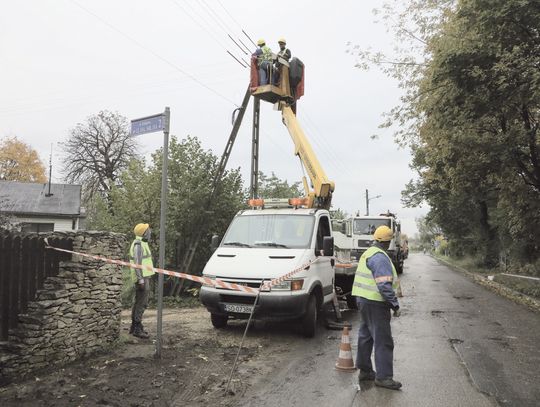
x,y
265,58
139,253
375,285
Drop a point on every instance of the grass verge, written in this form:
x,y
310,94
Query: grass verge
x,y
519,291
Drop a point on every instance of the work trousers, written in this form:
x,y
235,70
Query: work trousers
x,y
141,301
375,332
264,72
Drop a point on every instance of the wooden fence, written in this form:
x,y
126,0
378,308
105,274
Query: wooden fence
x,y
24,265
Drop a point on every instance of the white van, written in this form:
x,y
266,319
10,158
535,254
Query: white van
x,y
263,244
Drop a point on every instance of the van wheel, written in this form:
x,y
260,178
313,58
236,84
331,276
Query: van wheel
x,y
219,321
309,320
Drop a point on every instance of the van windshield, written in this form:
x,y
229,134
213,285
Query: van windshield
x,y
368,226
275,231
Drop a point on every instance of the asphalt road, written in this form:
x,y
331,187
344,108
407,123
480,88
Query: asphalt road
x,y
456,344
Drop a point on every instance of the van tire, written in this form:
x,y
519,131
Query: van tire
x,y
309,320
219,321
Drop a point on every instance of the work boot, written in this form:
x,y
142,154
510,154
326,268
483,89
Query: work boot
x,y
365,376
139,333
388,383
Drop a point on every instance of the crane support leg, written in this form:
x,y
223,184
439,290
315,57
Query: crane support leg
x,y
255,149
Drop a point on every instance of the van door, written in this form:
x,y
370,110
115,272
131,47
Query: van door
x,y
324,265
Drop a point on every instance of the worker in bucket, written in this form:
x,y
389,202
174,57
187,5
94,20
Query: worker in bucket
x,y
139,253
283,53
375,285
264,62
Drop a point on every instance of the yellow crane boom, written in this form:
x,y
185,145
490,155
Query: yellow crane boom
x,y
321,195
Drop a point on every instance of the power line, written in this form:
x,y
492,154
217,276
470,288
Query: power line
x,y
229,14
211,34
236,59
326,146
249,38
62,104
217,18
221,23
139,44
37,100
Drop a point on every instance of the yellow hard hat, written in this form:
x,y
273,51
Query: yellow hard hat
x,y
261,42
140,229
282,40
383,234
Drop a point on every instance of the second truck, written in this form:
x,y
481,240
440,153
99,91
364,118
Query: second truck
x,y
352,237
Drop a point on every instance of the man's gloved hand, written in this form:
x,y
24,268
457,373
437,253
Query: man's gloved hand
x,y
140,284
397,312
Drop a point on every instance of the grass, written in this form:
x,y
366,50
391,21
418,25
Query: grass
x,y
521,285
468,263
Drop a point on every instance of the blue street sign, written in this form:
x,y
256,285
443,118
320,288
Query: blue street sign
x,y
148,124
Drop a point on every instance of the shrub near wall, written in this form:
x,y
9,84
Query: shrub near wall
x,y
75,314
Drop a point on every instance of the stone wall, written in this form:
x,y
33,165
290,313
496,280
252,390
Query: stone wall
x,y
75,314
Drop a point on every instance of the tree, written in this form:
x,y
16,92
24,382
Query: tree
x,y
274,187
470,115
97,151
136,198
338,214
20,162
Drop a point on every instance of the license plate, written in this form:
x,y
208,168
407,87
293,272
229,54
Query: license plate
x,y
240,309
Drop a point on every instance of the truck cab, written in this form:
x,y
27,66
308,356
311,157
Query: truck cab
x,y
355,235
265,243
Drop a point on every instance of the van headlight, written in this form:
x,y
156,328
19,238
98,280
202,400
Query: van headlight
x,y
289,285
284,285
211,278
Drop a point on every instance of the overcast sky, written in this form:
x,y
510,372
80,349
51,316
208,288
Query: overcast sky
x,y
66,60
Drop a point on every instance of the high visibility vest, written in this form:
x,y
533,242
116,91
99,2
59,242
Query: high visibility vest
x,y
364,283
267,53
146,258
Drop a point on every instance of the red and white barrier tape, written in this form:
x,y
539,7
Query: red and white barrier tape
x,y
345,265
203,280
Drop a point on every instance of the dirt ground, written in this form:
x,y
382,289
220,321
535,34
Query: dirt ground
x,y
194,369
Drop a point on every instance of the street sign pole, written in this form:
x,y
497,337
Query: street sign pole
x,y
162,222
151,124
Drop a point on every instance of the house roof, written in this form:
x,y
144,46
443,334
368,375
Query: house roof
x,y
30,198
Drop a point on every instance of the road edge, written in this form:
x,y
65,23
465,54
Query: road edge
x,y
532,303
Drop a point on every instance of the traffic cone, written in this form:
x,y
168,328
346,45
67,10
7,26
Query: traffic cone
x,y
345,361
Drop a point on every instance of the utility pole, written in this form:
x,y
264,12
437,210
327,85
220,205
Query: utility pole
x,y
369,199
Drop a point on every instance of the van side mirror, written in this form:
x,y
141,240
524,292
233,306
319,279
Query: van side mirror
x,y
328,246
215,242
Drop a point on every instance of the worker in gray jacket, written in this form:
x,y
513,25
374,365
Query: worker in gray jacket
x,y
139,253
